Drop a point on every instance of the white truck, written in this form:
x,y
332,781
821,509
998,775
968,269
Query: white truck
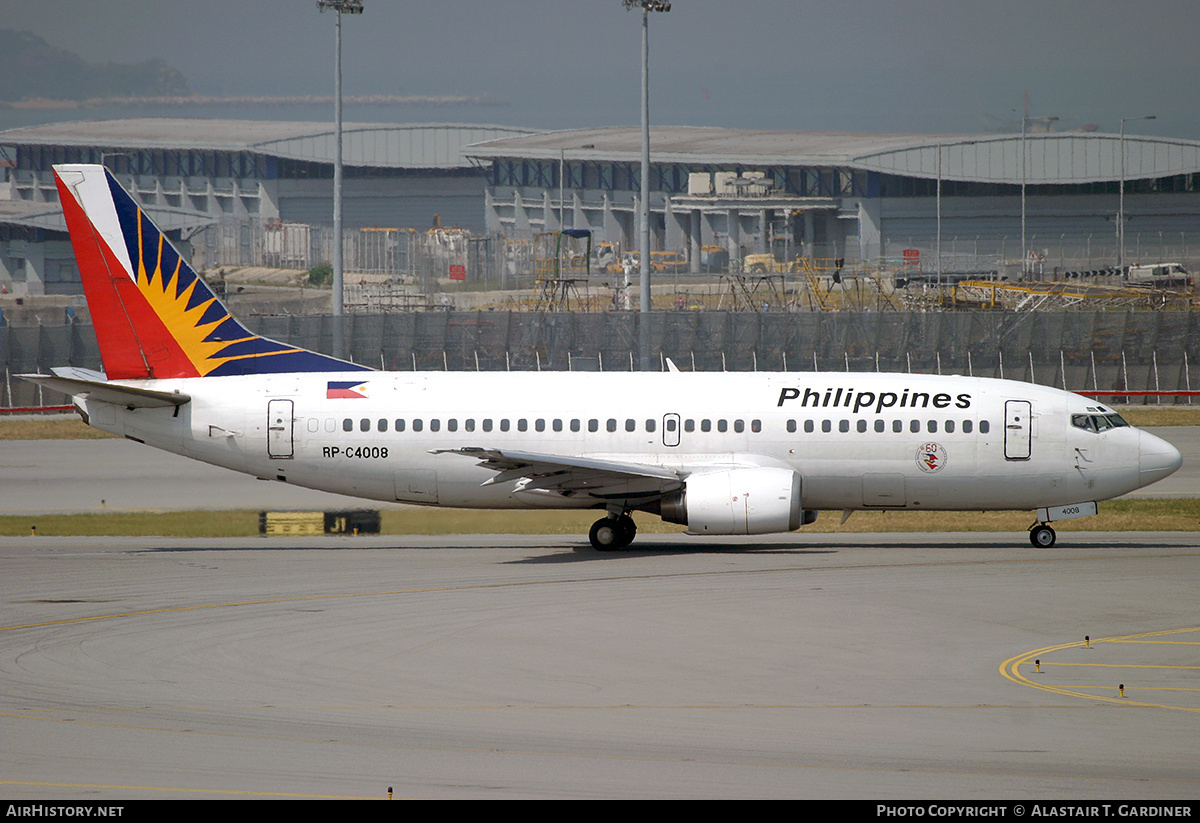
x,y
1158,275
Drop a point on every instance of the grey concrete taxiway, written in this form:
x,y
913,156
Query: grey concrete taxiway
x,y
804,665
877,666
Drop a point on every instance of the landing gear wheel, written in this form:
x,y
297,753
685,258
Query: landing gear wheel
x,y
610,533
605,535
627,529
1042,536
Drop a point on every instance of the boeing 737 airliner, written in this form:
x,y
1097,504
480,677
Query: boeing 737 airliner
x,y
721,453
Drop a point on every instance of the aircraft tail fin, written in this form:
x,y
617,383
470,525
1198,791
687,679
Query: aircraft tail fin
x,y
154,317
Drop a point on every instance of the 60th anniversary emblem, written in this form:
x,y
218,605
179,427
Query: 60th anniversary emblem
x,y
931,457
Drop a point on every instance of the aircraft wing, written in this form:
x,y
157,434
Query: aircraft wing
x,y
569,475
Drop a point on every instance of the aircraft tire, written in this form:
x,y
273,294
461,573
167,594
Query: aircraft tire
x,y
627,529
605,535
1042,536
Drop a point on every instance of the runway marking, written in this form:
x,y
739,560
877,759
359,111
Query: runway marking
x,y
1011,669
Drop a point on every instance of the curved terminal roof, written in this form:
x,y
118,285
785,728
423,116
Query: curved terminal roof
x,y
424,145
1072,157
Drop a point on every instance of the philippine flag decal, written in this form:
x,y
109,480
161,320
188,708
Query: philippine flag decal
x,y
345,390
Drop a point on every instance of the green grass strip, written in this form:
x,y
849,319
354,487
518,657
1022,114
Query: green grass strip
x,y
1151,514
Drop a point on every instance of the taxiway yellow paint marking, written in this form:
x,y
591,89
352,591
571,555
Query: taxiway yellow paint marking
x,y
1011,669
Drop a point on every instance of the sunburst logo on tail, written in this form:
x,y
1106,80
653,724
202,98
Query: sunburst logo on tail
x,y
203,331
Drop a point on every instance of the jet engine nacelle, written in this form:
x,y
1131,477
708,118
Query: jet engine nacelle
x,y
738,501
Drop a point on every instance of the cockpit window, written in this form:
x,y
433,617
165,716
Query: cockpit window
x,y
1097,422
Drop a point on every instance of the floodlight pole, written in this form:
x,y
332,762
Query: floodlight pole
x,y
646,6
1024,162
1121,195
340,7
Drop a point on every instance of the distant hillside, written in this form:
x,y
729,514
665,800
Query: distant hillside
x,y
30,69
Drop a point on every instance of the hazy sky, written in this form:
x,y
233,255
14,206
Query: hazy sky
x,y
857,65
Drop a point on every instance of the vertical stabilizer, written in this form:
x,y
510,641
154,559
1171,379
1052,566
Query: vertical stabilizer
x,y
154,317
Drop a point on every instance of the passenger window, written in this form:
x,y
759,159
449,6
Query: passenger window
x,y
469,424
347,425
914,426
611,425
539,424
381,425
487,424
504,424
556,425
399,424
522,425
630,425
689,425
739,426
984,427
826,426
313,424
330,424
967,427
722,425
593,425
705,425
575,424
791,426
897,426
950,427
931,426
452,424
364,425
671,424
435,425
843,426
862,426
880,425
808,426
418,424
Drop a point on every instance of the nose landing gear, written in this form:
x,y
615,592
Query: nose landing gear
x,y
1041,536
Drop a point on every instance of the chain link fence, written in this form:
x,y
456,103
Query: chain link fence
x,y
1077,350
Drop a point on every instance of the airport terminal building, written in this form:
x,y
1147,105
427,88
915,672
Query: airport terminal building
x,y
240,176
854,195
966,201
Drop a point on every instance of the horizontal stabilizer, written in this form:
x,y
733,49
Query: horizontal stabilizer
x,y
92,385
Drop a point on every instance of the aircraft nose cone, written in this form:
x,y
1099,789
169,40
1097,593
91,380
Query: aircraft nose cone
x,y
1157,458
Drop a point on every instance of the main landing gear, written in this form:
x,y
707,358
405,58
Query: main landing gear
x,y
612,532
1041,535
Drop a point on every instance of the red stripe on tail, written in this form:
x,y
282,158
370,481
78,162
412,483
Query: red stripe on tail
x,y
122,318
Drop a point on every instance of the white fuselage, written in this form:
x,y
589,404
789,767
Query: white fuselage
x,y
858,441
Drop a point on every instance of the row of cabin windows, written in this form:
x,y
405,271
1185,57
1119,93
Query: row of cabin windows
x,y
538,425
915,426
418,424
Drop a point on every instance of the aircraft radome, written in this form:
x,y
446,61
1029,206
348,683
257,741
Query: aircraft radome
x,y
721,453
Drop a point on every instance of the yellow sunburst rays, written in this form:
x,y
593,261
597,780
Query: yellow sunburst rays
x,y
184,324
